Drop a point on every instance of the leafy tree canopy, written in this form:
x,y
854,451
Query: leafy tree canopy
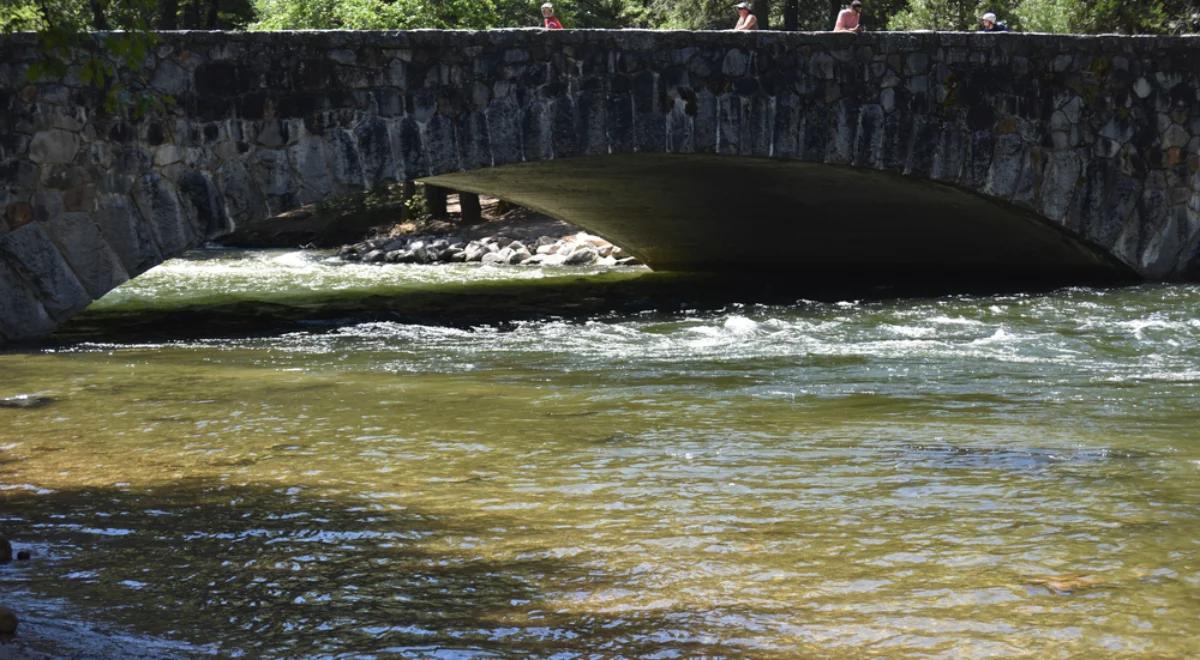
x,y
1082,16
1061,16
85,15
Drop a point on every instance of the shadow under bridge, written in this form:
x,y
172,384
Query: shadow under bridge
x,y
728,213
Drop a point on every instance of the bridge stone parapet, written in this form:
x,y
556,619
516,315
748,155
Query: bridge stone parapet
x,y
1096,137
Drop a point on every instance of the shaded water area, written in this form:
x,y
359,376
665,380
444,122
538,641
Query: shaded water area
x,y
268,453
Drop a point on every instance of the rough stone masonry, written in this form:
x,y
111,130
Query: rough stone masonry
x,y
1098,138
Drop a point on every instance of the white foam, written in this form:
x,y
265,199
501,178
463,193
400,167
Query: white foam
x,y
740,325
956,320
911,331
1000,336
36,490
297,259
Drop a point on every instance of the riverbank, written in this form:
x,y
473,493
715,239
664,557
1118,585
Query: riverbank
x,y
514,236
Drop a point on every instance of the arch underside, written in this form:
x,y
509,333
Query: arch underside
x,y
719,213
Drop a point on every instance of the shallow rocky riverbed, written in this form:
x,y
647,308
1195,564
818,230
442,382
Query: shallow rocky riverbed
x,y
579,249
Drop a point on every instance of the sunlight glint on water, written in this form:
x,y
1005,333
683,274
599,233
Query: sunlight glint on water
x,y
960,475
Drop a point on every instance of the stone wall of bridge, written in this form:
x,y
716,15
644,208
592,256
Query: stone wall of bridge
x,y
1099,137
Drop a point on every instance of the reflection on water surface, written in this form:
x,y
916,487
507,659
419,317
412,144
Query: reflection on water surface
x,y
962,475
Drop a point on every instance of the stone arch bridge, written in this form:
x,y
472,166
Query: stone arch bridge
x,y
940,153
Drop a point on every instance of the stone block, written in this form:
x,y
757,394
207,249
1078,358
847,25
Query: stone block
x,y
704,122
979,158
1115,208
593,122
273,174
921,147
22,315
18,214
121,228
309,158
1007,164
536,133
869,136
243,199
54,146
565,128
202,201
1059,183
158,202
170,78
409,143
841,148
949,154
347,162
81,243
31,252
731,111
441,143
679,131
373,136
736,63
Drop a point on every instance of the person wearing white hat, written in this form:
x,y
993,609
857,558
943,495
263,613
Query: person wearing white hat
x,y
988,23
746,18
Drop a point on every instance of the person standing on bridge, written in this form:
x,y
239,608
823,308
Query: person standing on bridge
x,y
988,23
746,18
850,19
551,21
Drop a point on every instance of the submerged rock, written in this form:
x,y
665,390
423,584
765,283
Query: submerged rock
x,y
25,401
1068,583
8,621
23,555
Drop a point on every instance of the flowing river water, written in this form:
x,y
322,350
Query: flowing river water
x,y
271,453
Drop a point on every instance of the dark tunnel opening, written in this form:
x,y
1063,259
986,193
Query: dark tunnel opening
x,y
801,221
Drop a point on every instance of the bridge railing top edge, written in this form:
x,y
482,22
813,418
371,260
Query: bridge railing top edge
x,y
604,34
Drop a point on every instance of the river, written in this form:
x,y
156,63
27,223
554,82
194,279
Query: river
x,y
272,453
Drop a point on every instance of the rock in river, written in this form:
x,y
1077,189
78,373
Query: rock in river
x,y
25,401
8,621
579,249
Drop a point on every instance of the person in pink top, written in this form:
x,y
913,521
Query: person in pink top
x,y
848,19
552,22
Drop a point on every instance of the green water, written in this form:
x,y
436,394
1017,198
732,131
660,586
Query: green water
x,y
460,461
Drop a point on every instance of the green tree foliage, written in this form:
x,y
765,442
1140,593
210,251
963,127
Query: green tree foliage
x,y
946,14
203,14
686,14
1062,16
1044,16
20,17
807,15
1084,16
63,28
593,13
85,15
414,14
